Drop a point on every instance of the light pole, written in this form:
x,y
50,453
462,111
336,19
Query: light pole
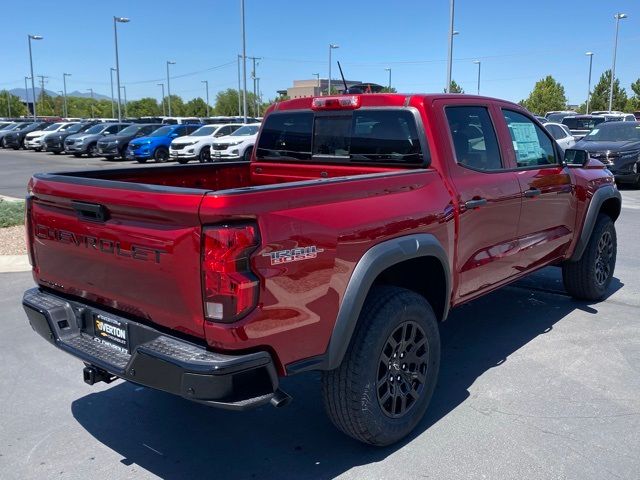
x,y
33,84
117,20
389,70
450,52
331,47
169,62
206,83
113,113
618,17
124,89
91,90
590,55
244,64
239,88
26,92
164,113
64,82
479,63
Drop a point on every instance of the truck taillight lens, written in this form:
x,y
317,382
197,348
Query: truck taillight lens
x,y
28,228
347,102
230,287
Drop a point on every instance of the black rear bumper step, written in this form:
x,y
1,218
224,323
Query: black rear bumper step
x,y
156,360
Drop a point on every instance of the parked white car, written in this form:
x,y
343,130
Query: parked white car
x,y
198,144
35,140
239,144
561,133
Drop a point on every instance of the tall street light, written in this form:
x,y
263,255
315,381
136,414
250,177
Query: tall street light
x,y
169,62
26,92
239,88
389,70
206,82
244,64
113,113
64,82
331,47
124,89
117,20
618,17
91,90
590,55
450,52
479,63
164,113
33,84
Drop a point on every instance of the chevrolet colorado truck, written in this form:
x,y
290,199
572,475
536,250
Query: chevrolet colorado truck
x,y
358,223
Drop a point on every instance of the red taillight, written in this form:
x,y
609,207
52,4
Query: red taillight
x,y
230,288
347,102
28,228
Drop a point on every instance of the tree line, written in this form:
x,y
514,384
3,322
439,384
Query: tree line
x,y
226,104
548,94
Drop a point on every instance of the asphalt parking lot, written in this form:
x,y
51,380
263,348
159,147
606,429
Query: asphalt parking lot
x,y
533,385
17,166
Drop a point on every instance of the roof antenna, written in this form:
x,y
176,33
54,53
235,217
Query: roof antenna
x,y
344,82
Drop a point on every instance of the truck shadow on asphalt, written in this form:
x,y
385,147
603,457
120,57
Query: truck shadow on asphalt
x,y
174,438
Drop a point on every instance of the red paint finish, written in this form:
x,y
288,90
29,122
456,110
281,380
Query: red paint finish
x,y
145,260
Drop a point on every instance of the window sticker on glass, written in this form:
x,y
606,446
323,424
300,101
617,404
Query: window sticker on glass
x,y
594,131
526,143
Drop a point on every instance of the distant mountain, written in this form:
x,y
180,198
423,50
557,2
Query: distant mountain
x,y
19,92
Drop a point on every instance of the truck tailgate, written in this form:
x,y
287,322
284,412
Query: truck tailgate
x,y
135,249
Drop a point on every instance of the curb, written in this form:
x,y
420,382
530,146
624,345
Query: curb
x,y
11,199
14,263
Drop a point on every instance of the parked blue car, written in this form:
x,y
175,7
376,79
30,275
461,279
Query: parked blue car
x,y
156,145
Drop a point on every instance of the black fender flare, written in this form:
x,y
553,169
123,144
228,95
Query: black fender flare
x,y
599,197
375,260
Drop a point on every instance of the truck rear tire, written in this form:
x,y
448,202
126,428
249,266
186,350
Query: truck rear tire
x,y
383,386
590,277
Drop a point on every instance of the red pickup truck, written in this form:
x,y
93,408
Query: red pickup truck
x,y
360,221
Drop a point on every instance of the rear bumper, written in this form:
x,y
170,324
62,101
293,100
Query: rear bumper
x,y
156,360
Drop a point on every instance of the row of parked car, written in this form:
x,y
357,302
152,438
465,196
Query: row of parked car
x,y
611,137
134,141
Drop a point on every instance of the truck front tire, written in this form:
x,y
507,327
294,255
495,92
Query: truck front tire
x,y
590,277
383,386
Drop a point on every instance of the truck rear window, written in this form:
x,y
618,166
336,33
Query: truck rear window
x,y
377,136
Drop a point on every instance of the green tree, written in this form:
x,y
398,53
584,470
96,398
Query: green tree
x,y
392,89
196,107
177,106
633,104
17,108
145,107
600,94
547,95
454,88
227,103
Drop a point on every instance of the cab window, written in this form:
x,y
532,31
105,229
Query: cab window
x,y
532,146
474,138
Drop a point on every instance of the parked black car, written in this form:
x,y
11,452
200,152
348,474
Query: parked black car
x,y
617,145
55,142
15,139
115,145
13,127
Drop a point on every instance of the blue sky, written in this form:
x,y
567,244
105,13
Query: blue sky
x,y
517,42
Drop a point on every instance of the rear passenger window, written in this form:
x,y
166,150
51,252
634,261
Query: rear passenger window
x,y
474,138
180,131
532,146
556,132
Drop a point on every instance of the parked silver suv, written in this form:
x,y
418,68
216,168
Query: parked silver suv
x,y
87,141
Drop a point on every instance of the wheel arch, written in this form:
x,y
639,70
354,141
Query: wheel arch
x,y
605,200
405,262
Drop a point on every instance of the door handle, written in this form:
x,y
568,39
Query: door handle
x,y
475,203
532,192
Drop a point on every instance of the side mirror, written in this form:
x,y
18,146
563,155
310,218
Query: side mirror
x,y
105,133
576,158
